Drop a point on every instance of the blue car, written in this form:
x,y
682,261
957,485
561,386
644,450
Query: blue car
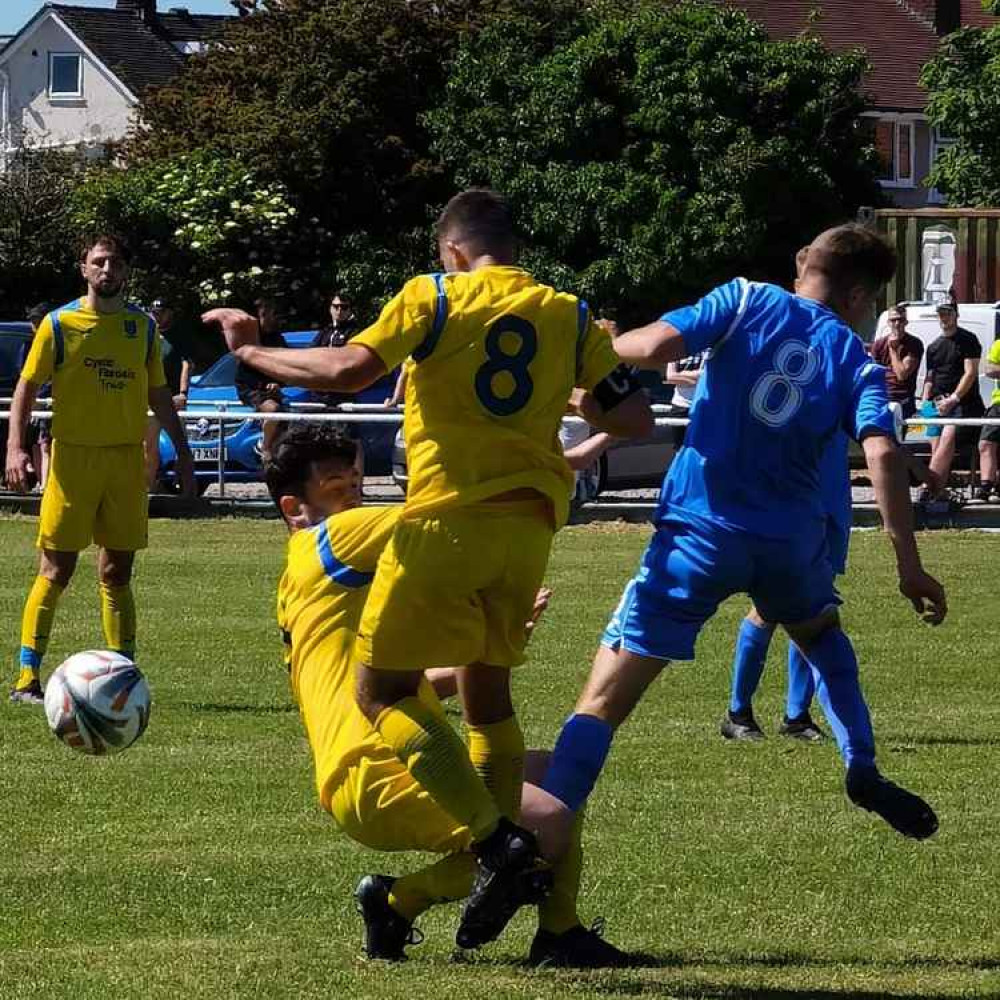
x,y
241,456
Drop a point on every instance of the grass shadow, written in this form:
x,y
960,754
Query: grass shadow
x,y
218,709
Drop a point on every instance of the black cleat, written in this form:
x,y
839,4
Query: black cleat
x,y
386,932
508,878
577,948
741,727
803,728
905,812
30,694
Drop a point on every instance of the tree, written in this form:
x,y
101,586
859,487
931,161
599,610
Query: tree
x,y
203,228
964,103
37,236
651,150
326,97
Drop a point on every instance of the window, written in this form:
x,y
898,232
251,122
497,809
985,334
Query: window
x,y
65,75
893,139
940,141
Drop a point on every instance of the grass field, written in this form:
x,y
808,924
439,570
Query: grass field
x,y
198,865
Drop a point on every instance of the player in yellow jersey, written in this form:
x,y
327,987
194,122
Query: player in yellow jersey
x,y
494,357
102,357
333,550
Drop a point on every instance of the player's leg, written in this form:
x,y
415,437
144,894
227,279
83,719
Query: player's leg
x,y
121,529
798,723
65,528
943,454
752,645
562,939
794,584
55,570
114,575
989,438
682,577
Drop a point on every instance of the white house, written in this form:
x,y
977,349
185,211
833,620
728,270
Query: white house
x,y
73,76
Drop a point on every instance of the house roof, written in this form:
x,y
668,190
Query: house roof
x,y
140,54
899,37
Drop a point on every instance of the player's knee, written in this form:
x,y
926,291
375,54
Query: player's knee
x,y
377,690
57,567
807,633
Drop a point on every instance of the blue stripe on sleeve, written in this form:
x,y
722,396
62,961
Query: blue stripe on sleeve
x,y
582,323
334,568
429,342
57,339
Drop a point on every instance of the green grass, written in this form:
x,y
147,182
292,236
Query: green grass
x,y
198,865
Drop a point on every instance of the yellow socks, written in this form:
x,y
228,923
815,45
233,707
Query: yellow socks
x,y
444,881
557,912
497,754
118,618
438,759
36,624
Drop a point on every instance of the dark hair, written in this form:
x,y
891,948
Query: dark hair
x,y
109,240
899,309
38,312
480,217
852,255
291,462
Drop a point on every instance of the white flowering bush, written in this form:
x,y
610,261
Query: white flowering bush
x,y
203,228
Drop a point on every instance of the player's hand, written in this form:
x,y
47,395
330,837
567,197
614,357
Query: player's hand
x,y
238,327
541,603
184,467
925,594
20,471
945,405
610,327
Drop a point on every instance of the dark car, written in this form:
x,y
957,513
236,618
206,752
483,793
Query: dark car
x,y
14,339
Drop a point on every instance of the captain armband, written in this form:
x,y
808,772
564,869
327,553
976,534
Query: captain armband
x,y
615,388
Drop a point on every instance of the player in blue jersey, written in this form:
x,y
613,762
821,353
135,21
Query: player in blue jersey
x,y
742,508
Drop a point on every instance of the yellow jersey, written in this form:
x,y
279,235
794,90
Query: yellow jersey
x,y
320,598
494,358
101,366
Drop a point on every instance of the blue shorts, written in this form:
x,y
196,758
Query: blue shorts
x,y
689,569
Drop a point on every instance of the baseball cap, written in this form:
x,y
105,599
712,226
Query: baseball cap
x,y
946,307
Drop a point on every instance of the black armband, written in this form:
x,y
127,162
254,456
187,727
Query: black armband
x,y
615,388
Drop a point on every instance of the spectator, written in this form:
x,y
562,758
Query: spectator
x,y
342,325
188,347
582,449
952,382
257,390
683,375
38,438
900,353
989,438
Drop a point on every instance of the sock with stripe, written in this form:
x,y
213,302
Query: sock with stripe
x,y
36,625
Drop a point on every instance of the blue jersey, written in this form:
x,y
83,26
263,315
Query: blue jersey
x,y
785,378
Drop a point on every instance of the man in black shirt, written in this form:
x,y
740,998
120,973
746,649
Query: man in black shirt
x,y
342,325
255,389
952,381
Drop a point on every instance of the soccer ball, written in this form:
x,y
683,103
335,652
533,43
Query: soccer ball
x,y
97,702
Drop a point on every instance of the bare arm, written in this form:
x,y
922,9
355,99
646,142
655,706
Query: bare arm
x,y
902,368
652,346
583,455
348,369
399,391
161,402
19,468
968,379
888,475
631,418
185,378
674,376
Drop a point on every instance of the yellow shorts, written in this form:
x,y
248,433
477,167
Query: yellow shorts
x,y
456,588
94,494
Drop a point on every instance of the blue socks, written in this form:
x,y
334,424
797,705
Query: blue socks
x,y
748,665
801,685
836,668
577,759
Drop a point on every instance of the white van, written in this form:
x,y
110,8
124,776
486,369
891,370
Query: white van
x,y
922,321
